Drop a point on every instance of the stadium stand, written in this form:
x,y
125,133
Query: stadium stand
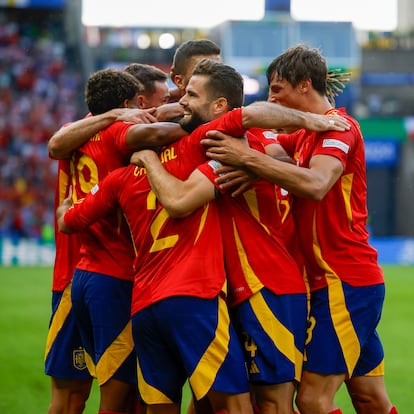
x,y
38,93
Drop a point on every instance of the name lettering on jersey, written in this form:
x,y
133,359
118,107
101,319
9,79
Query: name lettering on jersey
x,y
167,155
335,143
139,171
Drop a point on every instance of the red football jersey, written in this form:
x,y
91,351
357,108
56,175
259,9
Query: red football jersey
x,y
173,256
106,245
284,203
67,245
254,247
332,232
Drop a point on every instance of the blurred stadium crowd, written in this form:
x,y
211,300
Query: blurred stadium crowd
x,y
41,88
38,93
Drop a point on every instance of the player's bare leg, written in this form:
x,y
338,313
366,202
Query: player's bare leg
x,y
69,396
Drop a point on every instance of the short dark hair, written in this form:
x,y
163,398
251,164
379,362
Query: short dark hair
x,y
190,48
147,75
108,88
224,81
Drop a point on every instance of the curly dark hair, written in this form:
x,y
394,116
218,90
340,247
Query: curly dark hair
x,y
224,81
108,88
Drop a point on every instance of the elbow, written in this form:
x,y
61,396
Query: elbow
x,y
52,148
178,213
316,193
178,210
55,151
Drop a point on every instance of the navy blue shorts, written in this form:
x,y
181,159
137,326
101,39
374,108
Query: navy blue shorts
x,y
185,337
342,336
64,355
272,329
102,309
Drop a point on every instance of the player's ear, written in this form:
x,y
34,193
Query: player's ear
x,y
141,102
178,80
124,104
305,85
221,105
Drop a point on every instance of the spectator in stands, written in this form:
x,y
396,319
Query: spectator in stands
x,y
37,95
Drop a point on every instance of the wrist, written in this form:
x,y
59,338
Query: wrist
x,y
148,155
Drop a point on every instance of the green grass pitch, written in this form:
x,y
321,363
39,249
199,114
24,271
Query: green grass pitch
x,y
24,317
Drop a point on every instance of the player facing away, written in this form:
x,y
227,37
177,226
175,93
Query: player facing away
x,y
64,354
180,321
104,272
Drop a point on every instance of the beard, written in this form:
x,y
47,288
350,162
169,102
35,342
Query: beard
x,y
191,123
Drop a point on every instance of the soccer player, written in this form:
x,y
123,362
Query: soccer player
x,y
154,80
102,286
180,319
328,183
193,154
267,293
187,55
64,356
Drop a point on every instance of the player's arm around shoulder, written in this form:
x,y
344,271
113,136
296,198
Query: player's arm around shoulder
x,y
71,136
179,197
153,135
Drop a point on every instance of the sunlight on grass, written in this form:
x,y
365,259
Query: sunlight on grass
x,y
25,310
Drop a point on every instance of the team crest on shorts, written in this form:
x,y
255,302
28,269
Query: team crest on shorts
x,y
79,359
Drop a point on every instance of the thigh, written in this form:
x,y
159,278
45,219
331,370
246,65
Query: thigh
x,y
369,391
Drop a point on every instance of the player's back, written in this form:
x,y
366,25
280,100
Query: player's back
x,y
173,256
254,244
106,245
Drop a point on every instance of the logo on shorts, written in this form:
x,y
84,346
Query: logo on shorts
x,y
251,347
79,359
